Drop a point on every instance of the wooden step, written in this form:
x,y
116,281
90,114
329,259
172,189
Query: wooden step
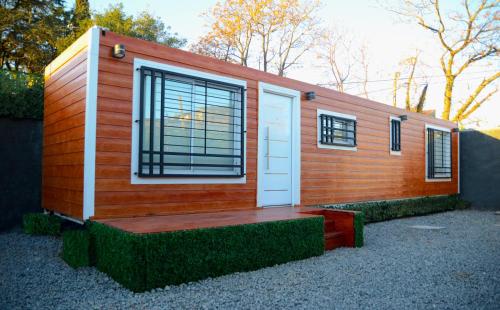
x,y
329,225
334,240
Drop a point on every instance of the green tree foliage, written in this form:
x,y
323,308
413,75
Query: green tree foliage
x,y
81,12
29,32
21,95
78,23
34,32
145,26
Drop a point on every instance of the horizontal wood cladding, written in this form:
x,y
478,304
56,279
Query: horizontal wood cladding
x,y
63,137
328,176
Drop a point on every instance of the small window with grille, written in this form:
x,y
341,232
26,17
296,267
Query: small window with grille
x,y
395,135
438,154
336,131
189,126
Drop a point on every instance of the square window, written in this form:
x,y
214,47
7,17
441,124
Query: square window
x,y
189,126
335,130
438,154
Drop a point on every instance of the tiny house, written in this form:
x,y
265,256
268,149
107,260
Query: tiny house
x,y
133,128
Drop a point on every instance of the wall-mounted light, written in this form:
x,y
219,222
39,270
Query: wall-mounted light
x,y
119,51
403,118
310,95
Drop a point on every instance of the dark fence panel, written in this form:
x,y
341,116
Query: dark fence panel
x,y
480,169
20,169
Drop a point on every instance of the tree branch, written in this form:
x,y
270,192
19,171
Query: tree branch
x,y
477,57
465,115
474,95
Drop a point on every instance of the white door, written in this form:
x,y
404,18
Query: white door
x,y
275,149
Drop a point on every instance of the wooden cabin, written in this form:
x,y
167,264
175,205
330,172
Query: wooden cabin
x,y
133,128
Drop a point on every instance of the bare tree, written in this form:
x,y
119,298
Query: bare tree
x,y
335,51
364,61
411,86
276,32
467,37
412,63
346,62
212,46
298,35
269,18
232,24
395,88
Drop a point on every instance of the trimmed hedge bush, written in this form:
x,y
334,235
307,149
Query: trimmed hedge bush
x,y
392,209
41,224
76,248
359,223
141,262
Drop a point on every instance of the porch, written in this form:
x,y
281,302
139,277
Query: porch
x,y
338,230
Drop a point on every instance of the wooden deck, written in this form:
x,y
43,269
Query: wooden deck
x,y
338,225
167,223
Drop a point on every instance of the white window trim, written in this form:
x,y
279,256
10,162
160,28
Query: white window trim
x,y
318,131
296,147
396,153
134,178
427,126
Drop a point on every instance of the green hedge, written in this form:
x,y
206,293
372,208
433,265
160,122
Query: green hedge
x,y
76,248
41,224
359,223
387,210
21,95
141,262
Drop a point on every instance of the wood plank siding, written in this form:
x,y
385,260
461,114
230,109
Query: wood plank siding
x,y
64,127
328,176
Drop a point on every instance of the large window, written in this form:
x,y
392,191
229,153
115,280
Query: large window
x,y
395,135
438,154
189,126
336,131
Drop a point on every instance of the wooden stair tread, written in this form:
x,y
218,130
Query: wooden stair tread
x,y
329,225
334,234
334,239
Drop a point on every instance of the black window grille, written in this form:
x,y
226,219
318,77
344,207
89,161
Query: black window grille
x,y
337,131
438,154
189,126
395,135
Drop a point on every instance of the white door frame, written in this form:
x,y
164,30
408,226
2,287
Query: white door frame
x,y
295,131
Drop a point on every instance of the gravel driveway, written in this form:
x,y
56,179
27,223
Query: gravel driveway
x,y
399,267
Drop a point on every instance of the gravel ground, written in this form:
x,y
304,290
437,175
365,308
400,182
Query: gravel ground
x,y
456,267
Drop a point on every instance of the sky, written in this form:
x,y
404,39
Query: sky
x,y
389,41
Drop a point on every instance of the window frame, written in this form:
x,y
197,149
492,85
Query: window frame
x,y
136,116
335,146
391,151
438,179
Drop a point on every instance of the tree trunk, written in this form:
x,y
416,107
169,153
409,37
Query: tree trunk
x,y
448,92
264,54
395,89
420,106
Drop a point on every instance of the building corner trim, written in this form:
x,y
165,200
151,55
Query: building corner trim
x,y
90,123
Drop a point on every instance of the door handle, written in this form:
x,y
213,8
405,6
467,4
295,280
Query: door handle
x,y
268,155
